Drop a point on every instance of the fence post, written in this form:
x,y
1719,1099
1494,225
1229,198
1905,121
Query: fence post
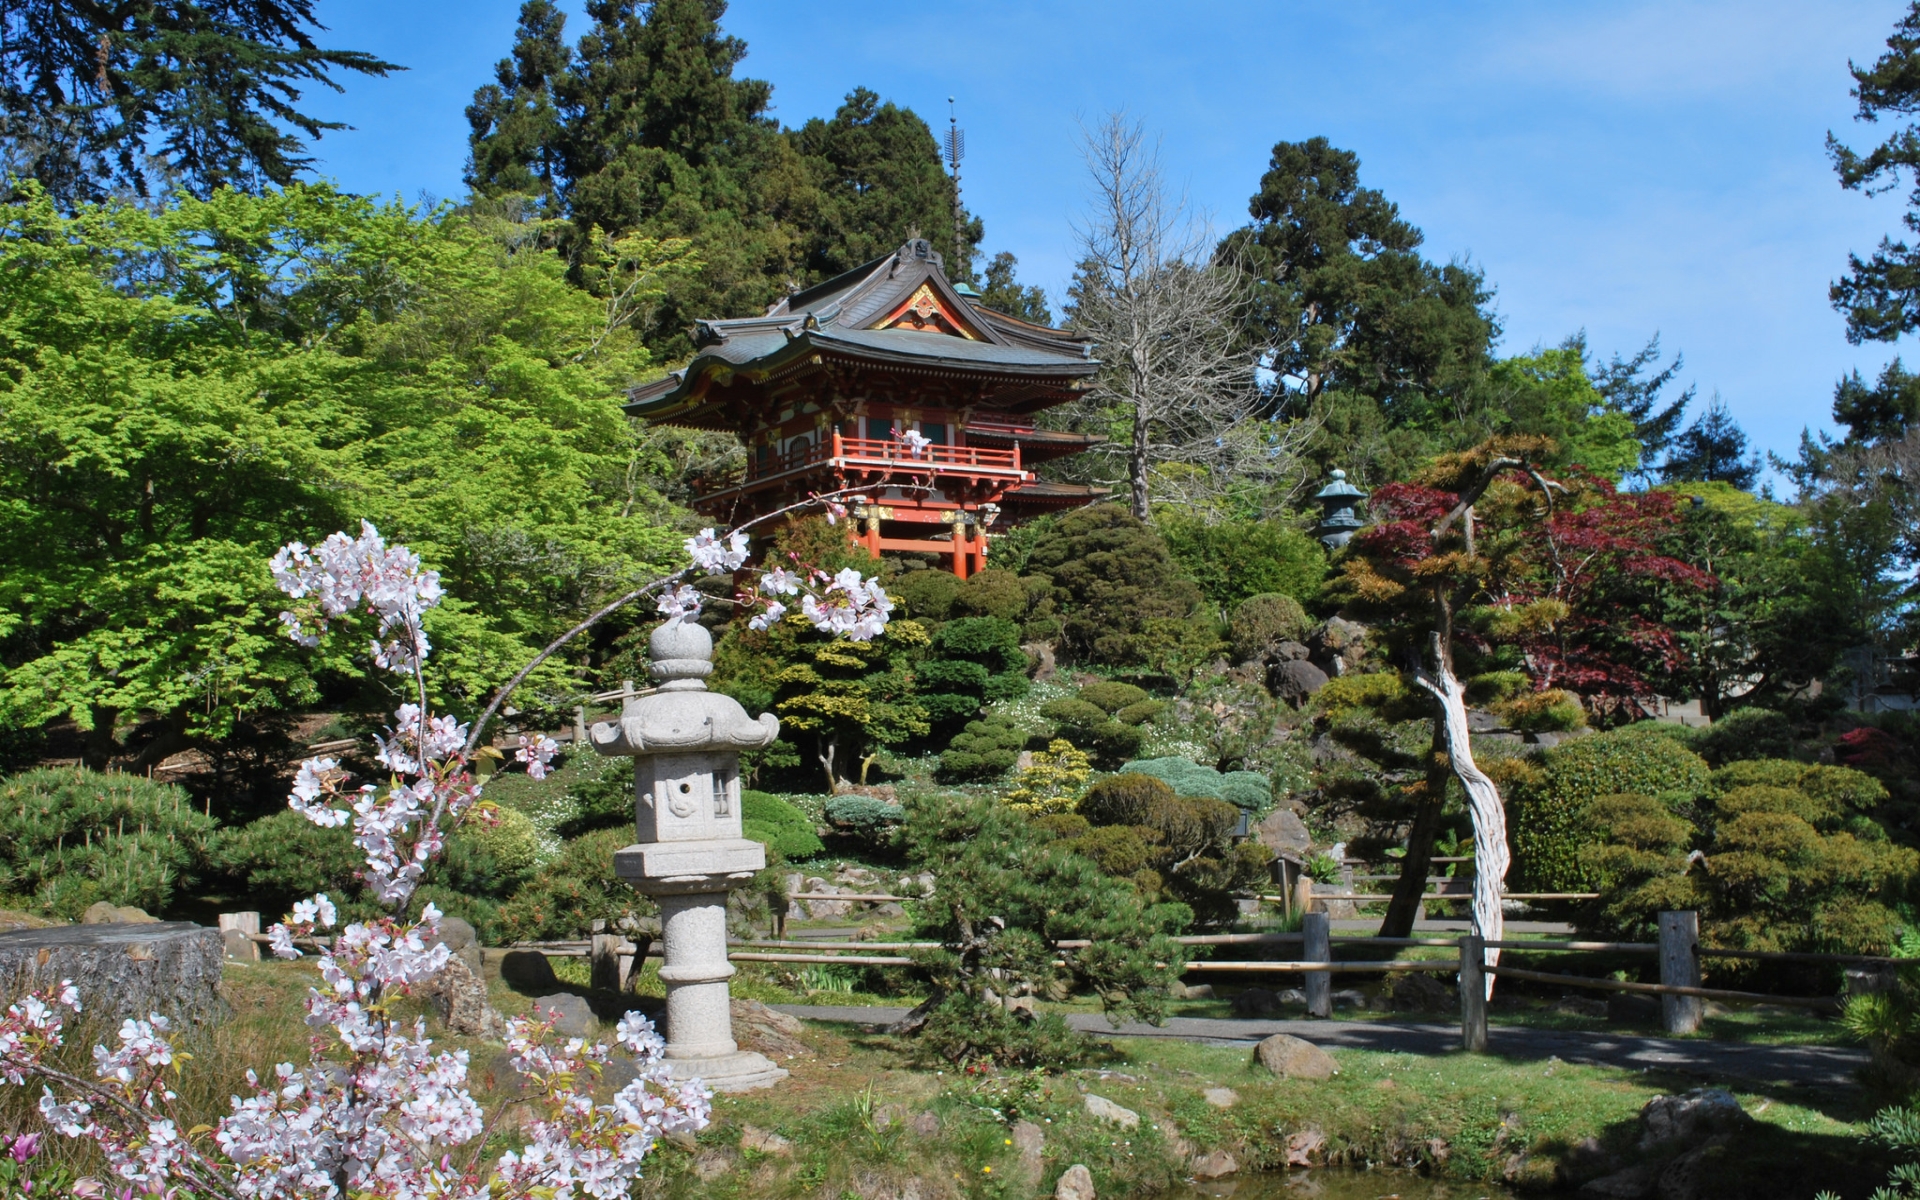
x,y
605,962
1680,967
1318,948
1473,995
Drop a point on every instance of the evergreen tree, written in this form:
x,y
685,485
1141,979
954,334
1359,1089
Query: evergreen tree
x,y
877,171
1003,292
97,99
1880,294
643,127
1881,413
1714,449
1635,386
516,120
1344,300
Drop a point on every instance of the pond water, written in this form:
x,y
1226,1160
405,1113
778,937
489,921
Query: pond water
x,y
1333,1184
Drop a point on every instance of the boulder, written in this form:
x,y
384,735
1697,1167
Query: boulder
x,y
1685,1177
1102,1109
925,1125
459,996
1292,1058
1076,1183
1215,1164
1303,1145
1282,831
765,1141
769,1031
572,1015
1288,652
1417,991
1295,681
1221,1097
1256,1002
1690,1117
1635,1183
527,971
122,970
1338,646
102,913
459,938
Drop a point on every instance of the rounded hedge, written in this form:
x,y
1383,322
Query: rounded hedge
x,y
1248,790
1263,622
1549,819
1072,710
1111,697
1124,799
1141,713
778,825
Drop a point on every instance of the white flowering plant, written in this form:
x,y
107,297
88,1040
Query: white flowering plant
x,y
378,1113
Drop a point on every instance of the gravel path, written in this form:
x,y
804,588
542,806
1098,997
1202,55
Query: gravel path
x,y
1823,1066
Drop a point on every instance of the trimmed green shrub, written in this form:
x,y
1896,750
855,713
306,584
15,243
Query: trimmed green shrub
x,y
994,592
1110,697
1495,686
285,857
972,660
1383,692
1141,713
1124,799
1551,710
1234,560
1248,790
1071,710
573,891
985,749
1262,622
74,837
1548,819
778,825
868,818
928,594
1111,576
1745,733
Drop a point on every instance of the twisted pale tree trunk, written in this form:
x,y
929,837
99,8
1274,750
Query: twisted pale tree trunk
x,y
1490,857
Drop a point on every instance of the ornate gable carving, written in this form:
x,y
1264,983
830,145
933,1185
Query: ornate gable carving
x,y
925,312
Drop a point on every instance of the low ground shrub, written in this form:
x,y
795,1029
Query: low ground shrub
x,y
985,749
868,819
1744,733
782,828
74,837
573,891
1054,782
1249,791
1551,710
1110,696
1162,842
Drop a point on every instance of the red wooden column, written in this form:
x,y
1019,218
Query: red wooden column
x,y
960,548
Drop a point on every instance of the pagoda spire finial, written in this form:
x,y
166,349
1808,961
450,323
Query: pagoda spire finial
x,y
956,149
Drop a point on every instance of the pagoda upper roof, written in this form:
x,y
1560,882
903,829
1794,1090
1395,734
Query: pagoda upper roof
x,y
897,311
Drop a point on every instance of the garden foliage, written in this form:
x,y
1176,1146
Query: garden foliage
x,y
74,837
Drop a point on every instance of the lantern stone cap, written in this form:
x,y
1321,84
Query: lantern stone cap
x,y
1339,489
681,716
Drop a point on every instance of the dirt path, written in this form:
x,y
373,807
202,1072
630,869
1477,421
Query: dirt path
x,y
1818,1066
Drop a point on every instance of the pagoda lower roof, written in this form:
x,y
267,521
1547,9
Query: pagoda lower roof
x,y
763,351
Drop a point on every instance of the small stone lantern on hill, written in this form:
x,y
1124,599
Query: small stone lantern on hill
x,y
685,742
1337,520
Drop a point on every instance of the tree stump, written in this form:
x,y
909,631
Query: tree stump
x,y
121,971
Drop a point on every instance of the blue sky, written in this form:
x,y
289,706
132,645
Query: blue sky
x,y
1621,168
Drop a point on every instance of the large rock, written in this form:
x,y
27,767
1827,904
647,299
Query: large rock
x,y
459,995
1102,1109
1076,1183
767,1030
1295,681
1690,1117
102,913
1283,830
1291,1058
122,970
459,938
572,1015
1338,646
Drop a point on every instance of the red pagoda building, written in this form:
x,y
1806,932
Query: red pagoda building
x,y
891,381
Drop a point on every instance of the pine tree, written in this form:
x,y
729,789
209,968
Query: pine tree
x,y
1634,386
98,99
1880,294
1003,292
1881,413
650,132
1714,449
1345,301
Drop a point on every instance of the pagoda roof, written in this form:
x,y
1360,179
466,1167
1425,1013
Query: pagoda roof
x,y
897,312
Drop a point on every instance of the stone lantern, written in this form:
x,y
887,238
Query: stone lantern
x,y
1337,519
685,743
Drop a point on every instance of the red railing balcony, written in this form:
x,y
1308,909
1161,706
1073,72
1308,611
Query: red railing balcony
x,y
890,454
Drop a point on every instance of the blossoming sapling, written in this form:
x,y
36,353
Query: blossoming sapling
x,y
378,1111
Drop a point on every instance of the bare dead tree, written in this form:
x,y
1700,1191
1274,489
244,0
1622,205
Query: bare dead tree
x,y
1177,384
